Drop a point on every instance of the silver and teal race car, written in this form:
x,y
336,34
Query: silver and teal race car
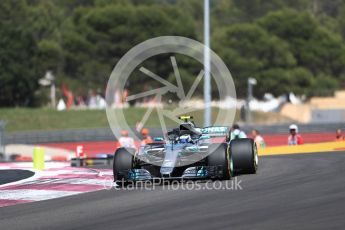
x,y
188,152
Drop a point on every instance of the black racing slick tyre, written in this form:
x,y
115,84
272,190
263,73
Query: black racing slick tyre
x,y
219,156
123,161
244,155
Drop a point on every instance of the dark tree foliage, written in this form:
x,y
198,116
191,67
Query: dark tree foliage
x,y
18,55
288,45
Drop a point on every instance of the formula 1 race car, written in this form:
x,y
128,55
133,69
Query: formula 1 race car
x,y
188,153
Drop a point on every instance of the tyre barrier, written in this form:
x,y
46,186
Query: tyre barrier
x,y
26,158
81,162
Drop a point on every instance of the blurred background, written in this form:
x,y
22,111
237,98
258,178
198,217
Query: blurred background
x,y
287,58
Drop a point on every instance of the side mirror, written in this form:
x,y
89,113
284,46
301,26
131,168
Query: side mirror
x,y
158,139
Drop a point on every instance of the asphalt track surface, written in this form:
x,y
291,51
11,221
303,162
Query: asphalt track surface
x,y
12,175
289,192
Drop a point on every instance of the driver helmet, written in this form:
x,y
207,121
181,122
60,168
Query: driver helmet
x,y
185,139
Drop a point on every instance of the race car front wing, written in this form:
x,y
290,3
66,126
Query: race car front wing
x,y
190,173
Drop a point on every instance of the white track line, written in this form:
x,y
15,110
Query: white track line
x,y
34,195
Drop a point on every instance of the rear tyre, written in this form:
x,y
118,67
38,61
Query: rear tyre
x,y
245,156
220,157
123,161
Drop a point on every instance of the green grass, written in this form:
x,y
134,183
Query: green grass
x,y
45,119
22,119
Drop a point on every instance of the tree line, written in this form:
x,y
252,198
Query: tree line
x,y
287,45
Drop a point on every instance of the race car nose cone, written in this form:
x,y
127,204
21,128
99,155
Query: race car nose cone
x,y
166,171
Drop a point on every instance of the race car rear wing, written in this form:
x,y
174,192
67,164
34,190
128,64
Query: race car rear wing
x,y
215,131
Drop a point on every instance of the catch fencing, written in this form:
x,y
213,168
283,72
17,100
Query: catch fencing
x,y
105,134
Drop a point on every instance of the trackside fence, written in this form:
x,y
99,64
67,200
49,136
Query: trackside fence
x,y
105,134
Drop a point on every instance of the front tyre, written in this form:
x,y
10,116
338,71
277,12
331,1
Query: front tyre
x,y
220,157
123,161
245,156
